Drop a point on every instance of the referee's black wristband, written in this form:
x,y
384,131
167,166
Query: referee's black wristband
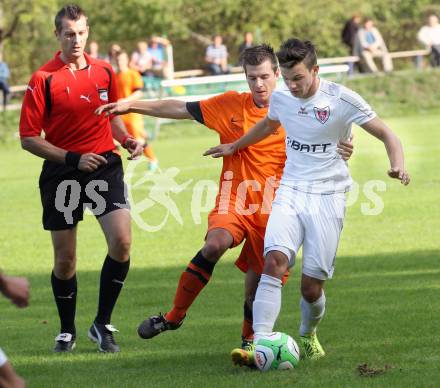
x,y
72,159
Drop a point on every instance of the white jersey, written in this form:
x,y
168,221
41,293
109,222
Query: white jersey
x,y
314,126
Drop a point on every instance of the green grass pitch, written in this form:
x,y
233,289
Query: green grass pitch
x,y
383,305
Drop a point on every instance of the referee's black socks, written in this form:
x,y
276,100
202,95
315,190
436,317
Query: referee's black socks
x,y
64,292
113,275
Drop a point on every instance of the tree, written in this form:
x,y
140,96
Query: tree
x,y
28,25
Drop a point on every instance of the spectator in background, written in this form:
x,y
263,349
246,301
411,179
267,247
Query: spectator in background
x,y
348,36
115,49
369,44
94,50
4,85
158,55
217,57
350,30
17,290
429,35
141,60
248,42
130,85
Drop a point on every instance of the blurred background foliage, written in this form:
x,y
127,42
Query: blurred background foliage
x,y
190,24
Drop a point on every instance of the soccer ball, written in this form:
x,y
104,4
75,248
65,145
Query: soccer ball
x,y
276,351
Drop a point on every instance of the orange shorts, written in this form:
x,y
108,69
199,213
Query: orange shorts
x,y
240,228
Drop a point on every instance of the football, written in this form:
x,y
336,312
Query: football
x,y
276,351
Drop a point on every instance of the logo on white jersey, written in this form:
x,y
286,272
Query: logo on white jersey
x,y
83,97
322,114
302,111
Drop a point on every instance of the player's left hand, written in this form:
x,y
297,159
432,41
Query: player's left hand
x,y
114,108
221,150
345,148
134,148
399,173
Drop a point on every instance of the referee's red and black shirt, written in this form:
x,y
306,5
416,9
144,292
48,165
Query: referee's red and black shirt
x,y
61,102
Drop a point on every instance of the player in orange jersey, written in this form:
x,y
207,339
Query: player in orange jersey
x,y
130,85
247,184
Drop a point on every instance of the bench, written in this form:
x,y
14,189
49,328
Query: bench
x,y
321,61
189,77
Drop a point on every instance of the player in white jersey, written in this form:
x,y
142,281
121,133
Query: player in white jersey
x,y
309,206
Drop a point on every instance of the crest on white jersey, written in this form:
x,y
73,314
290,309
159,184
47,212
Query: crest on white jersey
x,y
322,114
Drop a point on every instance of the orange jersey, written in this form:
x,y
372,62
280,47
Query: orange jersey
x,y
245,175
128,82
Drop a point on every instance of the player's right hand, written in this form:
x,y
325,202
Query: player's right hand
x,y
115,108
400,174
221,150
90,162
16,289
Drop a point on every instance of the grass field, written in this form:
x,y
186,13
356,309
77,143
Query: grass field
x,y
383,306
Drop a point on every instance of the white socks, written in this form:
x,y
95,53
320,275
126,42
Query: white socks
x,y
311,314
267,305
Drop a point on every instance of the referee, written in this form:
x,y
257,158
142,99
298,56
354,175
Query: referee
x,y
81,169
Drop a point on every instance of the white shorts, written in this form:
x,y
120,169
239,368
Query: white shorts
x,y
3,358
312,220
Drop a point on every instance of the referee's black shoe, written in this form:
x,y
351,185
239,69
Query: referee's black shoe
x,y
64,342
103,336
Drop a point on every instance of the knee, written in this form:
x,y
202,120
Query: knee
x,y
119,248
213,250
311,291
276,264
65,263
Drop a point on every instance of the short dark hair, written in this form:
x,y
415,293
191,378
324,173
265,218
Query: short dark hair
x,y
256,55
294,51
71,12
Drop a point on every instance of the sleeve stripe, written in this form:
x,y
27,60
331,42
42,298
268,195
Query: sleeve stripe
x,y
195,110
323,91
364,111
47,96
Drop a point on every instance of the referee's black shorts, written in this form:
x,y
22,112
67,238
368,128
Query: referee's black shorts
x,y
66,192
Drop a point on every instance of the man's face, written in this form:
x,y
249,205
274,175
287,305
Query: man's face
x,y
262,81
433,20
73,37
299,79
369,24
122,61
142,47
115,48
154,43
218,40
